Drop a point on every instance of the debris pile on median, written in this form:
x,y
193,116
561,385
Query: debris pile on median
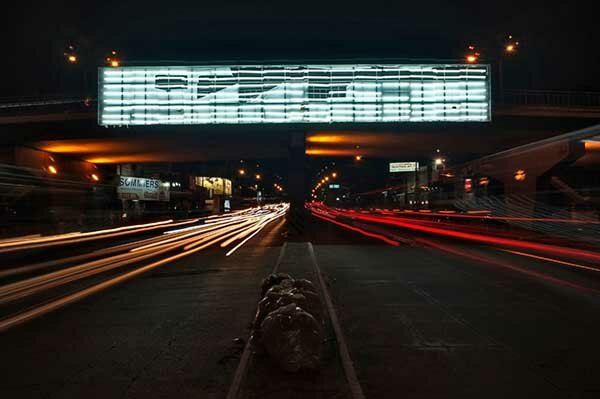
x,y
289,322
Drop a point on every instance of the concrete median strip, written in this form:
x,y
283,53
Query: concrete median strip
x,y
242,368
291,353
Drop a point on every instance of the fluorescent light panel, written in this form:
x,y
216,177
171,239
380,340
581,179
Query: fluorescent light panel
x,y
250,94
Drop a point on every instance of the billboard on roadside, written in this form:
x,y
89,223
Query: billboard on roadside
x,y
217,185
300,93
142,189
397,167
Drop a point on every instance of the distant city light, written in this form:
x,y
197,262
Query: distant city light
x,y
95,177
510,45
52,169
358,157
468,185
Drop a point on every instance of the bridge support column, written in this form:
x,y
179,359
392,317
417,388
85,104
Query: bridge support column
x,y
297,180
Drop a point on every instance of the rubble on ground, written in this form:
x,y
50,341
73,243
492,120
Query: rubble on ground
x,y
289,322
292,338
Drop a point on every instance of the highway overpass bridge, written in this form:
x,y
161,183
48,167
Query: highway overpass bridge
x,y
69,127
200,114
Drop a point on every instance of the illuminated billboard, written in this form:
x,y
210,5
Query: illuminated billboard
x,y
218,185
140,188
396,167
249,94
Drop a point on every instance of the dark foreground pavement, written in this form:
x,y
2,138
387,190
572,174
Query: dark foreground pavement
x,y
445,321
424,323
169,333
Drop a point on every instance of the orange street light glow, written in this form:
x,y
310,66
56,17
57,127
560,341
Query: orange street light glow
x,y
520,175
114,63
95,177
471,59
52,169
72,58
592,145
325,139
358,157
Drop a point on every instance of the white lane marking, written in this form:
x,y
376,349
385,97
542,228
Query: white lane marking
x,y
280,258
355,388
561,262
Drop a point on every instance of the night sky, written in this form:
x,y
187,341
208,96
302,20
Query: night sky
x,y
559,39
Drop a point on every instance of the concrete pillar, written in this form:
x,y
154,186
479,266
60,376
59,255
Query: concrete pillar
x,y
296,189
297,169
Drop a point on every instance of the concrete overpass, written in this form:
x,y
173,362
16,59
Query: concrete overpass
x,y
68,126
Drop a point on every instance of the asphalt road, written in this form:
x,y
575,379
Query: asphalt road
x,y
436,318
168,333
450,319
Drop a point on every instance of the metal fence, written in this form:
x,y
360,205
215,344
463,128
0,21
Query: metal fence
x,y
539,98
59,104
552,98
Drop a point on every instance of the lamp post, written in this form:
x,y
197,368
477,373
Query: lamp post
x,y
509,48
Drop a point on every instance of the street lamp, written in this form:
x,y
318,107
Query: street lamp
x,y
510,47
112,60
472,55
358,157
53,170
520,175
70,55
258,176
334,175
241,172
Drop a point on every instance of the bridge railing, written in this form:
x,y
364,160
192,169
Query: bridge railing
x,y
7,103
540,98
59,104
552,98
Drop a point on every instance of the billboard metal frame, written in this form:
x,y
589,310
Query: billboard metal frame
x,y
287,93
